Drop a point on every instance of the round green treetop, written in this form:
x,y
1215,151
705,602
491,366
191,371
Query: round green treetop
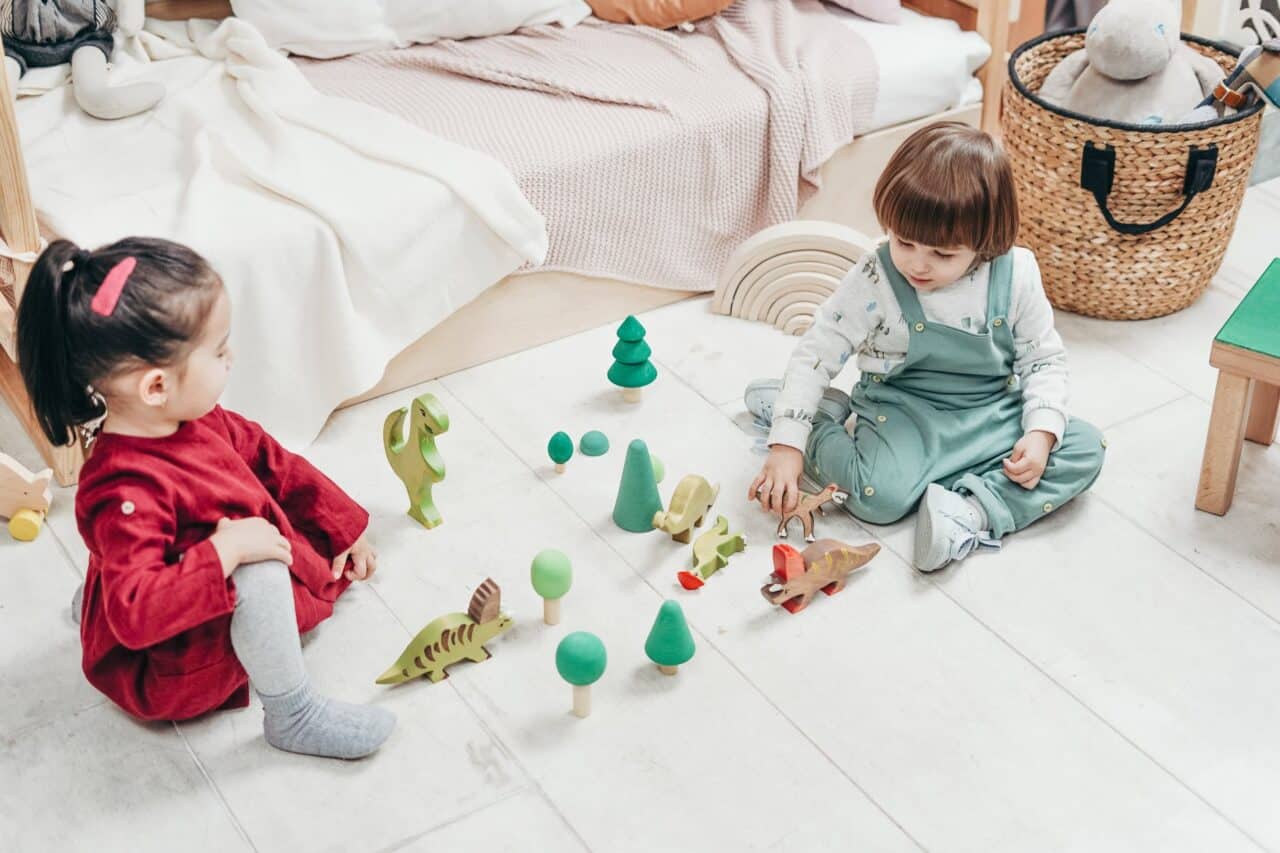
x,y
581,658
594,443
560,448
669,643
551,573
631,329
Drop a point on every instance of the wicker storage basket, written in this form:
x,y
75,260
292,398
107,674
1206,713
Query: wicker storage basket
x,y
1127,221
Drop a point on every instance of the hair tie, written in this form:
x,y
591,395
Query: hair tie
x,y
104,301
78,258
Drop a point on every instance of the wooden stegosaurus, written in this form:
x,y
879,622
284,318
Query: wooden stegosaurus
x,y
452,638
825,565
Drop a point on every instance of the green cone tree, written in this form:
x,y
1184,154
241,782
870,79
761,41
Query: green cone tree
x,y
670,643
631,369
638,497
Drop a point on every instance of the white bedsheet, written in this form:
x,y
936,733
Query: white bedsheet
x,y
926,64
343,233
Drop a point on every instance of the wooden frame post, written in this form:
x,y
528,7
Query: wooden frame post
x,y
993,26
19,229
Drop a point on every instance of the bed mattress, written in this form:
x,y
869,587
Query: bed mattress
x,y
926,65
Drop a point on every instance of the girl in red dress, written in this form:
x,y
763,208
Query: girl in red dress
x,y
211,546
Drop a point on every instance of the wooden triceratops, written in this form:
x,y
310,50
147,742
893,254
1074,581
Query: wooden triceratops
x,y
807,506
415,458
24,498
452,638
825,565
690,503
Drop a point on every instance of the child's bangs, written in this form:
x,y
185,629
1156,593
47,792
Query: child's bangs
x,y
919,216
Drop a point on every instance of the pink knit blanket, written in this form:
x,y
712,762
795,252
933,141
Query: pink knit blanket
x,y
651,153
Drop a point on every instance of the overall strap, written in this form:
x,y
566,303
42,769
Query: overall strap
x,y
902,291
1000,288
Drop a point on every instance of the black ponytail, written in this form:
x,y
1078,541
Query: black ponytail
x,y
64,347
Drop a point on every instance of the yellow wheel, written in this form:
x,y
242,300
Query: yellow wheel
x,y
25,524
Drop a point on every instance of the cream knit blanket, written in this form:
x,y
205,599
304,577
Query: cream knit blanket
x,y
652,154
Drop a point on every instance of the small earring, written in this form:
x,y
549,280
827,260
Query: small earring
x,y
89,430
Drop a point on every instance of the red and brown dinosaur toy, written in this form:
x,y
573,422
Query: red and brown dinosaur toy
x,y
825,565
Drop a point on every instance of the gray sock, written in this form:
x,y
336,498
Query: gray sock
x,y
301,721
77,603
264,634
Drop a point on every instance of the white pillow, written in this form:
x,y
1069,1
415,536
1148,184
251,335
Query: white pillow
x,y
328,28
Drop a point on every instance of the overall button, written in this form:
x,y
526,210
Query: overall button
x,y
1013,380
919,327
868,491
875,378
881,418
997,322
1104,444
1048,507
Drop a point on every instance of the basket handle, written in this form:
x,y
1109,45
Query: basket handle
x,y
1098,169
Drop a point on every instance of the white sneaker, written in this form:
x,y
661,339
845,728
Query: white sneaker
x,y
947,528
763,393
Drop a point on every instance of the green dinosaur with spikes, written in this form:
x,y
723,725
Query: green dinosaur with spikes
x,y
452,638
415,458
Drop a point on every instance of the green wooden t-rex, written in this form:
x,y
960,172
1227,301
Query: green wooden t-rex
x,y
415,458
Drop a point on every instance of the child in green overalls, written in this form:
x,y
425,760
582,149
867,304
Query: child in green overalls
x,y
962,402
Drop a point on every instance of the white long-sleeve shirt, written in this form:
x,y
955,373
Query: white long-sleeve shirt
x,y
863,316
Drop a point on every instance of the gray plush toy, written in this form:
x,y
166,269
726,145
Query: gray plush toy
x,y
43,33
1134,67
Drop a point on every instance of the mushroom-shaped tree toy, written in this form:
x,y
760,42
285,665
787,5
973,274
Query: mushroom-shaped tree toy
x,y
560,449
670,643
580,660
552,575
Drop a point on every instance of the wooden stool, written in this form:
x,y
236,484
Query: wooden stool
x,y
1247,355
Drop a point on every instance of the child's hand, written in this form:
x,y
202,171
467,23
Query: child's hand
x,y
777,486
364,560
249,540
1025,466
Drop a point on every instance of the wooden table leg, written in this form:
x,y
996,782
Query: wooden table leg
x,y
1222,445
1263,408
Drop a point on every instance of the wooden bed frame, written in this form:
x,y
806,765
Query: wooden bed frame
x,y
530,309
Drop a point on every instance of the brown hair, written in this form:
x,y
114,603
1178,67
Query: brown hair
x,y
948,185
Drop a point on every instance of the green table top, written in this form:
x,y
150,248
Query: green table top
x,y
1255,324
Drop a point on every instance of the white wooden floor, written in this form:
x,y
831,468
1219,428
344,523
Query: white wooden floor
x,y
1108,681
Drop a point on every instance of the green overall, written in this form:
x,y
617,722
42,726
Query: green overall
x,y
949,414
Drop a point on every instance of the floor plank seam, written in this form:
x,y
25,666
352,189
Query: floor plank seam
x,y
217,792
753,686
1097,715
401,843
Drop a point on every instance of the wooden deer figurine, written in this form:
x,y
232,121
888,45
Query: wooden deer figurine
x,y
24,498
808,505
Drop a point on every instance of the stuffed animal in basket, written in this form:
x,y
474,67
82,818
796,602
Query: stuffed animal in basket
x,y
1134,67
44,33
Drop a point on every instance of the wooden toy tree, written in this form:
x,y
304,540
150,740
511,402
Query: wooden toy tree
x,y
552,575
560,449
638,499
670,644
580,660
631,368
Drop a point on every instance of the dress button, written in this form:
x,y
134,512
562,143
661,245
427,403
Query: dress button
x,y
881,418
868,491
1048,507
997,322
919,327
127,507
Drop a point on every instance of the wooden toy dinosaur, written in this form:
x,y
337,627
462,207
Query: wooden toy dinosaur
x,y
711,553
825,565
807,506
690,503
452,638
24,498
415,458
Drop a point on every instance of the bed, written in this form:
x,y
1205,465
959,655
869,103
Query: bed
x,y
534,306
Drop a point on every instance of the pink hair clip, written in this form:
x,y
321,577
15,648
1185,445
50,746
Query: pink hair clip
x,y
104,301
